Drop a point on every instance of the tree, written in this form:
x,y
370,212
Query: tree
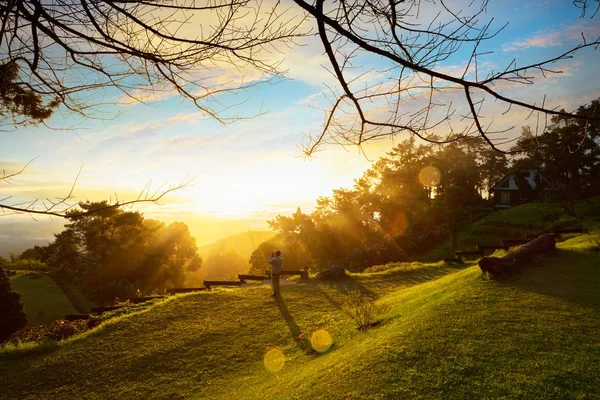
x,y
108,250
568,154
12,317
411,39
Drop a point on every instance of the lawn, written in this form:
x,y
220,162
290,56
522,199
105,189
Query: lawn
x,y
449,333
43,300
516,223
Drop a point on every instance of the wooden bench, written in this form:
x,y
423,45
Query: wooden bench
x,y
483,247
244,278
185,290
209,284
477,253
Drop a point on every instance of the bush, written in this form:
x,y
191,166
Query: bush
x,y
12,317
334,273
58,330
29,265
34,275
363,310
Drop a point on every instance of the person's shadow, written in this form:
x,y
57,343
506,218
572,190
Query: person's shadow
x,y
289,320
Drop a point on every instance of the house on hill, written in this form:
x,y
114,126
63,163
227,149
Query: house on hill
x,y
522,187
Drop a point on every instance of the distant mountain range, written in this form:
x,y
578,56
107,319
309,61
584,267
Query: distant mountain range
x,y
243,243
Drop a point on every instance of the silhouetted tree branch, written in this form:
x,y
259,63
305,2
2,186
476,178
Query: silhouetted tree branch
x,y
56,52
80,55
412,91
63,206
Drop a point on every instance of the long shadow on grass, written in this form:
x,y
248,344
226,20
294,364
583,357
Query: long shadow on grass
x,y
289,320
377,284
573,276
347,284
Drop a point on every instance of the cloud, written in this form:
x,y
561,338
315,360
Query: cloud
x,y
555,38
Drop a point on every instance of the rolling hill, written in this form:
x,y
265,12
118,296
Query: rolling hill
x,y
242,243
449,333
43,300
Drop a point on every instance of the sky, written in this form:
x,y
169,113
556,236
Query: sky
x,y
247,172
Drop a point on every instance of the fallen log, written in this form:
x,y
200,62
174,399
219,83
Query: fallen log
x,y
515,260
515,242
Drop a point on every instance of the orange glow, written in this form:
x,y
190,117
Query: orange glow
x,y
430,176
400,224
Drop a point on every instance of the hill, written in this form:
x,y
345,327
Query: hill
x,y
517,223
243,244
450,333
43,300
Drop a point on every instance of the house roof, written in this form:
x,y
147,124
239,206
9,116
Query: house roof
x,y
509,181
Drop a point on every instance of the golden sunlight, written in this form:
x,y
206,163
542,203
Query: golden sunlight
x,y
256,185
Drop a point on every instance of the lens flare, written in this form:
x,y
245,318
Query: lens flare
x,y
321,340
274,360
430,176
400,224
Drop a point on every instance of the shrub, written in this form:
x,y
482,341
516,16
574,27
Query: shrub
x,y
58,330
363,310
34,275
12,317
29,265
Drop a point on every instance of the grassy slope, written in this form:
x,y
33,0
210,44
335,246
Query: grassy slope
x,y
534,335
194,345
516,223
43,300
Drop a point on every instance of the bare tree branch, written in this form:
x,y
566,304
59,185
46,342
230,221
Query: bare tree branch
x,y
414,46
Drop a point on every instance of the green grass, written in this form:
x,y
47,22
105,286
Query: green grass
x,y
43,300
75,295
450,333
516,223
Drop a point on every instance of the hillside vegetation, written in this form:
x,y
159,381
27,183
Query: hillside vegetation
x,y
534,335
43,300
517,223
449,332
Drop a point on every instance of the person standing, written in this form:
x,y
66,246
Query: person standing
x,y
275,261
